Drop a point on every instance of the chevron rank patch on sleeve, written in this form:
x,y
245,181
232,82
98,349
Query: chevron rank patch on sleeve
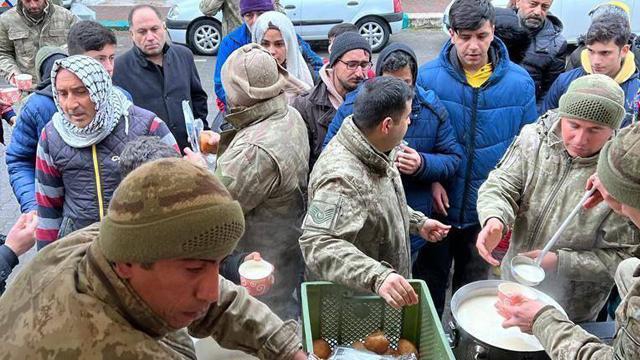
x,y
322,214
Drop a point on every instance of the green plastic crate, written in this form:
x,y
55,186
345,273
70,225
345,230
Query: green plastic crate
x,y
341,316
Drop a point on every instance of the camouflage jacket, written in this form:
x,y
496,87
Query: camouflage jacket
x,y
356,231
263,163
563,340
533,189
68,303
230,12
20,38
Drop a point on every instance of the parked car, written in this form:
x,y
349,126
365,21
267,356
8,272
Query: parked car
x,y
574,15
376,20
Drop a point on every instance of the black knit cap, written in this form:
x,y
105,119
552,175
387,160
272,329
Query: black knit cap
x,y
346,42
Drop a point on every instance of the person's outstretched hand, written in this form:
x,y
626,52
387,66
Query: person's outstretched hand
x,y
397,291
488,239
22,235
434,230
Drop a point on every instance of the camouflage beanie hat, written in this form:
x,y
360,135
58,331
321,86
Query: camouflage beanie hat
x,y
170,209
251,75
596,98
619,166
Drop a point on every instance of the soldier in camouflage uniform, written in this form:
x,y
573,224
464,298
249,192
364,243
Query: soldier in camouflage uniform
x,y
356,232
25,29
230,12
618,183
541,179
263,161
126,288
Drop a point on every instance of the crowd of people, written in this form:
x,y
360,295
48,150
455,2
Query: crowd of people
x,y
336,169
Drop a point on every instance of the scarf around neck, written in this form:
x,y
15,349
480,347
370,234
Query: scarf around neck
x,y
110,103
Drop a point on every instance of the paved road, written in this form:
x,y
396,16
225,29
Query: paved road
x,y
426,44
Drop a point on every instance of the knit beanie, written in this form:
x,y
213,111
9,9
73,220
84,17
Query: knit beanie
x,y
170,209
46,54
596,98
346,42
247,6
619,166
251,75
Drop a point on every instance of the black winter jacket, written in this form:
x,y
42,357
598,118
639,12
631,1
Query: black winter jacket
x,y
162,89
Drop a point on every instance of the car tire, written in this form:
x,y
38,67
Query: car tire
x,y
205,36
376,31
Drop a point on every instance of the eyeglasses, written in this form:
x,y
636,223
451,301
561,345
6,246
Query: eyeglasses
x,y
352,65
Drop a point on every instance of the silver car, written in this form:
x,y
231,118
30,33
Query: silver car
x,y
376,20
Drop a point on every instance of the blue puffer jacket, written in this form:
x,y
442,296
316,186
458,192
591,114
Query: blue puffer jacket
x,y
560,86
485,120
21,152
429,133
242,36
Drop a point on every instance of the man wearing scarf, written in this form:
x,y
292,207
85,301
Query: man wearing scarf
x,y
78,152
27,27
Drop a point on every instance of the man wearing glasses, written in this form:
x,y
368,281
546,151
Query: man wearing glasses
x,y
348,64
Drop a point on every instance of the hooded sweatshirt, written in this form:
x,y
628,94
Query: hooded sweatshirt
x,y
627,77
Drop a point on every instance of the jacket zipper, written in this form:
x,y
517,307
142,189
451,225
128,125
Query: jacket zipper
x,y
472,148
547,205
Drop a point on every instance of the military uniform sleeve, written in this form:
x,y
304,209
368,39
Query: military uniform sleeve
x,y
615,241
416,221
249,173
562,339
8,64
337,213
239,321
499,195
210,7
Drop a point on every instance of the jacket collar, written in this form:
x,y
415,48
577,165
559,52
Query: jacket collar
x,y
261,111
105,284
241,35
626,72
498,57
320,95
356,143
142,58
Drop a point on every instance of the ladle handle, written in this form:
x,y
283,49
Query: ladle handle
x,y
564,225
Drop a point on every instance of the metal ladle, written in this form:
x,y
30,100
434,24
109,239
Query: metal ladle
x,y
536,272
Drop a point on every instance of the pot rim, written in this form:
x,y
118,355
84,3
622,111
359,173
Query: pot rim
x,y
484,287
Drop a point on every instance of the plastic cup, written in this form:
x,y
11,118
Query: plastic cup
x,y
10,95
24,81
510,293
256,276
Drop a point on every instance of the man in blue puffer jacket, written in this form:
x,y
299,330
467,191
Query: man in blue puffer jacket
x,y
489,99
85,38
250,11
432,152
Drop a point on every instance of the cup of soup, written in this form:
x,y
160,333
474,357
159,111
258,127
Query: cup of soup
x,y
24,81
10,95
256,276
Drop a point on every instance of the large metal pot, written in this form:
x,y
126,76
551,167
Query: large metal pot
x,y
467,345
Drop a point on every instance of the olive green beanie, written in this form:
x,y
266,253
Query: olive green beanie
x,y
170,209
596,98
619,166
